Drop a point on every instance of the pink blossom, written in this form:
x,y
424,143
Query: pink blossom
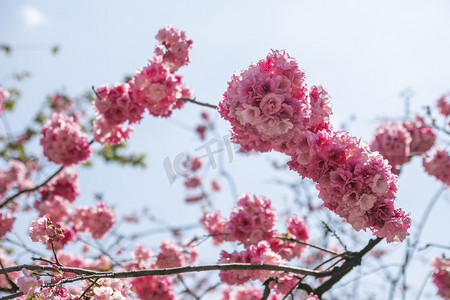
x,y
193,182
17,176
254,254
443,105
107,133
174,47
63,141
142,256
284,284
65,184
353,181
215,224
267,103
154,288
6,222
29,284
7,262
97,221
392,140
45,231
4,96
56,208
422,135
245,292
252,220
171,255
438,165
312,297
441,276
320,107
157,89
117,104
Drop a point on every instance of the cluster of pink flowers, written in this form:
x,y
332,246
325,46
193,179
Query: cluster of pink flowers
x,y
251,222
97,221
18,175
441,276
105,288
437,164
269,108
6,222
399,141
117,105
4,96
155,88
29,284
154,287
174,47
63,141
45,231
254,254
353,181
56,208
7,262
65,184
246,292
268,103
443,105
171,255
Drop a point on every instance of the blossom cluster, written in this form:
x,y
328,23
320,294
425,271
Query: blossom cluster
x,y
45,231
18,175
246,292
251,223
268,104
6,222
97,221
270,108
443,105
64,184
171,255
399,141
63,141
441,276
437,164
155,89
254,254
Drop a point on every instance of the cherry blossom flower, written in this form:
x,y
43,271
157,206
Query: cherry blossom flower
x,y
63,141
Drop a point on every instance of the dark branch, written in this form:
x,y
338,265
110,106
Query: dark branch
x,y
197,102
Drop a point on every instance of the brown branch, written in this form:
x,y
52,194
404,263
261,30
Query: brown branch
x,y
198,102
31,189
353,260
310,245
85,274
36,187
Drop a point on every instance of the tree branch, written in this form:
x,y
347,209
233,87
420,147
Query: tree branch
x,y
31,189
339,272
198,102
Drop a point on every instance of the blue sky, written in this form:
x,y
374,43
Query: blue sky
x,y
364,53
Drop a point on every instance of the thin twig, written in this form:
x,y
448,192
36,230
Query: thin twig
x,y
198,102
310,245
31,189
85,274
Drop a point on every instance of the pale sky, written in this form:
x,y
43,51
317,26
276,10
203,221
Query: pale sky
x,y
363,52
